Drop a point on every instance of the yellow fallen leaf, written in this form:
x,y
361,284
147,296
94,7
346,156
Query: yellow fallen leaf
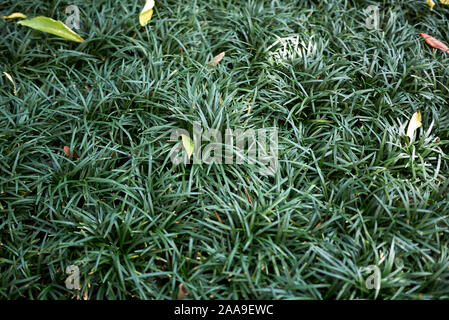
x,y
188,144
55,27
415,123
444,1
217,59
12,81
147,13
15,15
431,4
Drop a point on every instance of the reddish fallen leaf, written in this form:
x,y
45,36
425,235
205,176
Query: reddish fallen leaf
x,y
217,59
67,153
437,44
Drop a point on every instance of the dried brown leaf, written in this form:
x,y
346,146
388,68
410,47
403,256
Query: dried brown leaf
x,y
182,292
217,59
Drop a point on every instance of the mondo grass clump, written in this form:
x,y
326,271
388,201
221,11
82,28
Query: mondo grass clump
x,y
350,191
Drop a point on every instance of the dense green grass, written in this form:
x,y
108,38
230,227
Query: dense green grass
x,y
350,191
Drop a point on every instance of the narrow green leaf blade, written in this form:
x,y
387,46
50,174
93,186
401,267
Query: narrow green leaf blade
x,y
49,25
